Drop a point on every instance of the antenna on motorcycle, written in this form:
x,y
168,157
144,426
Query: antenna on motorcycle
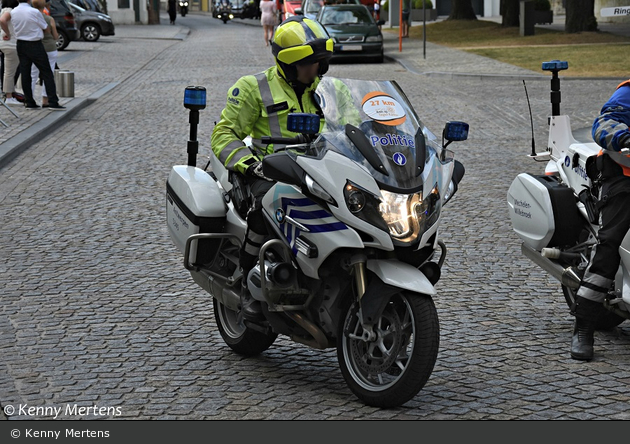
x,y
531,121
194,100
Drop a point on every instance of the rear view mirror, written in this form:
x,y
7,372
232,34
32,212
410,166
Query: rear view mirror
x,y
455,131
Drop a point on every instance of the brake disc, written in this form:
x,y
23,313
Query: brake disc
x,y
378,356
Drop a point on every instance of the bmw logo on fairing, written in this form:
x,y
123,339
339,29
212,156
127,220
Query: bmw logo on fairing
x,y
399,159
280,215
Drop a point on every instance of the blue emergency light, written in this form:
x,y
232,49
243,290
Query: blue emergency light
x,y
195,97
555,65
303,123
456,131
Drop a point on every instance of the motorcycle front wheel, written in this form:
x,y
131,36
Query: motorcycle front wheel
x,y
236,335
391,369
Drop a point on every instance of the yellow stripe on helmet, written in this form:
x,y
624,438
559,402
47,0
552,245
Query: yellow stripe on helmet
x,y
294,54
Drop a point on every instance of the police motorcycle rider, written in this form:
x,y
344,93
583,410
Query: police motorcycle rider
x,y
611,132
258,105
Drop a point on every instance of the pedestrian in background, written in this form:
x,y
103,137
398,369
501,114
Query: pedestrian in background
x,y
406,14
172,11
50,45
10,61
29,25
268,19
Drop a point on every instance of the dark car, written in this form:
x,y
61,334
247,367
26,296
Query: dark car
x,y
354,31
310,8
240,9
65,22
92,25
89,5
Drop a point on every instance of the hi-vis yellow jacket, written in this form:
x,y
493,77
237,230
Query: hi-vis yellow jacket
x,y
257,105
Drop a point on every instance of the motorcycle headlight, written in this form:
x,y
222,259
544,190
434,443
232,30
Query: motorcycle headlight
x,y
408,215
364,205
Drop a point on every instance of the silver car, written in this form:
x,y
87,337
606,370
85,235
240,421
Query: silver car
x,y
92,25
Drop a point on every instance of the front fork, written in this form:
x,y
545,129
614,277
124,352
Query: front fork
x,y
358,263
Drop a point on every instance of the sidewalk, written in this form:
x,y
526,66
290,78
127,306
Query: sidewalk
x,y
30,125
428,60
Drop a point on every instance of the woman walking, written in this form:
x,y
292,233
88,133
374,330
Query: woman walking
x,y
268,19
11,61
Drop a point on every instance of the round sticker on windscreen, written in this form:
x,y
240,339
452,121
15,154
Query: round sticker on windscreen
x,y
383,108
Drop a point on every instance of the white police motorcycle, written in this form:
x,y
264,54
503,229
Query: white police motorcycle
x,y
354,252
555,214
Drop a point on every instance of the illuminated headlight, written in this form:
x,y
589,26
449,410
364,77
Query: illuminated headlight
x,y
408,215
374,38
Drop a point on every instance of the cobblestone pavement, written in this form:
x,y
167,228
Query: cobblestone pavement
x,y
97,309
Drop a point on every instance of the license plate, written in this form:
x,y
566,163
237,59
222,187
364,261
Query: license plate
x,y
352,48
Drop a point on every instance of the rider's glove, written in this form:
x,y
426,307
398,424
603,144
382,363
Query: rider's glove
x,y
255,170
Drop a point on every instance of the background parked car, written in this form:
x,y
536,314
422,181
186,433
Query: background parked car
x,y
89,5
92,25
354,31
310,8
65,21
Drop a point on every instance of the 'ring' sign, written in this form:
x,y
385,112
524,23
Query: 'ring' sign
x,y
615,12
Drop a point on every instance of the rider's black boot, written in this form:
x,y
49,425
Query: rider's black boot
x,y
586,313
582,340
250,307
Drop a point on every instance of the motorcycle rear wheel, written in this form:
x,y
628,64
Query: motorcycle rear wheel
x,y
607,322
236,335
392,369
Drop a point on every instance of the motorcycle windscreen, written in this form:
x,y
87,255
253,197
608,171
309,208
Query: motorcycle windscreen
x,y
373,123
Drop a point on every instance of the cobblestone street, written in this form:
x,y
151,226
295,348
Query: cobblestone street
x,y
97,308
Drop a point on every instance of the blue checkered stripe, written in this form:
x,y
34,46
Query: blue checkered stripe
x,y
310,215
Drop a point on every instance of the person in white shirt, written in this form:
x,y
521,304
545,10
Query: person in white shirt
x,y
29,26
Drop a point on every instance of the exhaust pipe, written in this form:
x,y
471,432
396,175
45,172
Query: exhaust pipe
x,y
217,286
318,341
566,276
